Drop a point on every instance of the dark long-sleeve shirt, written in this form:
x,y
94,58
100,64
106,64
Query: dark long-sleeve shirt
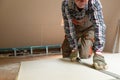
x,y
94,10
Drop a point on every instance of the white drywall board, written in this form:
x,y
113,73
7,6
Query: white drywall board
x,y
57,69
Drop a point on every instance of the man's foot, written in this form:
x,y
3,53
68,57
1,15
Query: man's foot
x,y
99,62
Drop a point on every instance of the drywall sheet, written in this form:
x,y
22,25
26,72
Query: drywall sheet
x,y
59,69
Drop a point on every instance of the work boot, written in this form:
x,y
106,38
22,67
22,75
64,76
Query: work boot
x,y
99,62
74,56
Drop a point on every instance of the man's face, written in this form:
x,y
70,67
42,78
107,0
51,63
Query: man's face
x,y
81,3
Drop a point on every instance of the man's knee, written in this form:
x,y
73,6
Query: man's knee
x,y
65,55
84,54
86,49
66,51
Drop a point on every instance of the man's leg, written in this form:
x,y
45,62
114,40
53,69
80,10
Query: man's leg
x,y
66,50
86,44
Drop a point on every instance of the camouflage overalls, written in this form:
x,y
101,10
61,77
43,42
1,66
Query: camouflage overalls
x,y
85,37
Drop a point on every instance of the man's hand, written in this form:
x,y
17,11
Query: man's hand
x,y
74,56
99,62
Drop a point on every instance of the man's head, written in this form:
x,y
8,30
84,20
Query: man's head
x,y
81,3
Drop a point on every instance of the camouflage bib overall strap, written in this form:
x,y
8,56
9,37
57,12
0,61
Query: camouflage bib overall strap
x,y
70,4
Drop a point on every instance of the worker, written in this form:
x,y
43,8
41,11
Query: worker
x,y
84,31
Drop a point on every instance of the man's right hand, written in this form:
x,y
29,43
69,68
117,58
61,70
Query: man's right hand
x,y
74,56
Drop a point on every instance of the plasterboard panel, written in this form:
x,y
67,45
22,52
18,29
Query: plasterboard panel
x,y
57,69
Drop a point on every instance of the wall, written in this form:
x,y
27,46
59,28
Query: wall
x,y
30,22
111,15
36,22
